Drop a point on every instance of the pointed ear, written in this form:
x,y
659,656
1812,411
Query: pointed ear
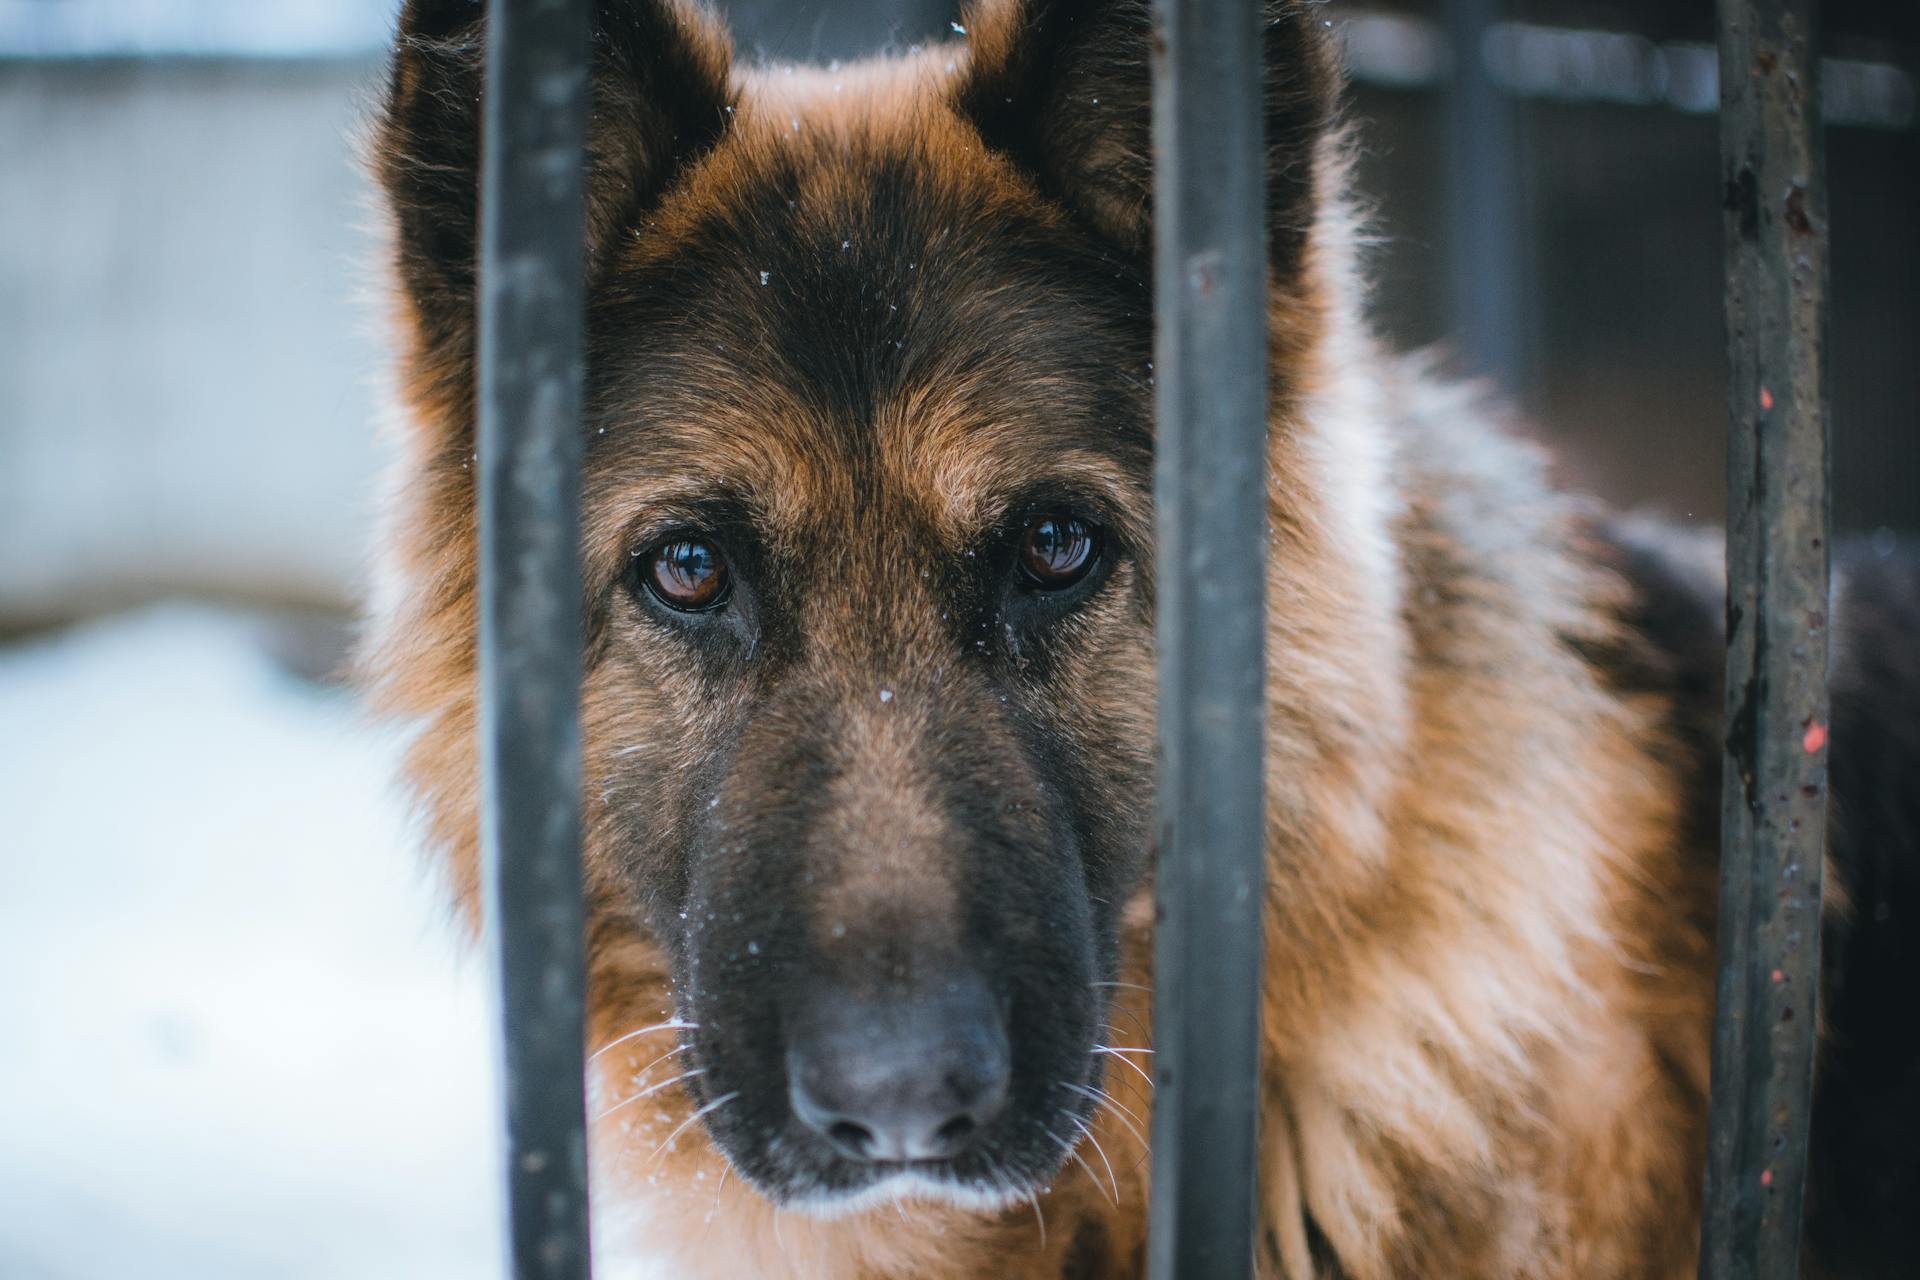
x,y
660,97
1065,88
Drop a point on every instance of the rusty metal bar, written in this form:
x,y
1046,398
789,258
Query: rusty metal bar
x,y
1210,493
1774,789
532,283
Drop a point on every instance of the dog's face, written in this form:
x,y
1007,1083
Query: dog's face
x,y
867,536
869,483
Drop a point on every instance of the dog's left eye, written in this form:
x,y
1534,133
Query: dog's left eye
x,y
1057,551
686,573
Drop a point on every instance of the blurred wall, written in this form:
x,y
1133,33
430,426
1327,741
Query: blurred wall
x,y
191,348
186,368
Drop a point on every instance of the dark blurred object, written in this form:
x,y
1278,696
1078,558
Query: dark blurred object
x,y
1483,204
823,30
1613,278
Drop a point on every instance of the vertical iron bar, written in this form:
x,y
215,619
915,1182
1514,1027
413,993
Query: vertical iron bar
x,y
1774,788
1210,491
532,264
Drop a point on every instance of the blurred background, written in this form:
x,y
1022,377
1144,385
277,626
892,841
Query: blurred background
x,y
237,1035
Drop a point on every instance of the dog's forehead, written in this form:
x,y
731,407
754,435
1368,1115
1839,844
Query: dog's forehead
x,y
822,326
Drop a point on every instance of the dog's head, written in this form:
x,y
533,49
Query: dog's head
x,y
868,544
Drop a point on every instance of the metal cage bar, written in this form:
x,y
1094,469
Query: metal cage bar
x,y
1210,495
532,283
1774,785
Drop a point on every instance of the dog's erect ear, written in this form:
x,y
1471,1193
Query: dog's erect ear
x,y
660,97
1065,87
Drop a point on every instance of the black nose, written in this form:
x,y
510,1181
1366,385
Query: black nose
x,y
902,1078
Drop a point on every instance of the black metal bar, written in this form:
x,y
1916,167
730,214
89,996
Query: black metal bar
x,y
532,265
1210,490
1774,791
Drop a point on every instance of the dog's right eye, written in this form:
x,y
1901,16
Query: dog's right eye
x,y
1057,551
686,573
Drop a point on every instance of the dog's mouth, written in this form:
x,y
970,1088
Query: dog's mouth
x,y
1019,1164
800,1163
933,1182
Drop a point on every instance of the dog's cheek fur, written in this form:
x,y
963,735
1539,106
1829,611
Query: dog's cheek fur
x,y
1092,730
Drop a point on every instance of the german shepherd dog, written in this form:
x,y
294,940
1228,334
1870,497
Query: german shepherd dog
x,y
869,701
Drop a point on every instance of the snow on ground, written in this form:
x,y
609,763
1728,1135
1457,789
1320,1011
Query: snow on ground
x,y
238,1037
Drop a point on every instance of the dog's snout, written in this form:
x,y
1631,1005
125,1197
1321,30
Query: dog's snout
x,y
900,1078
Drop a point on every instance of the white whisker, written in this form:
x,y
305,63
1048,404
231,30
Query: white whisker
x,y
641,1074
1080,1160
1102,1099
649,1091
1118,1057
671,1024
1038,1217
702,1113
1003,1183
1139,1031
726,1167
1098,1150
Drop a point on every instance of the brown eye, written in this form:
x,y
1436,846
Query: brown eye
x,y
1057,551
687,574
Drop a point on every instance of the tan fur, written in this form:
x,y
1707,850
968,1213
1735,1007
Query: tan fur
x,y
1488,981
